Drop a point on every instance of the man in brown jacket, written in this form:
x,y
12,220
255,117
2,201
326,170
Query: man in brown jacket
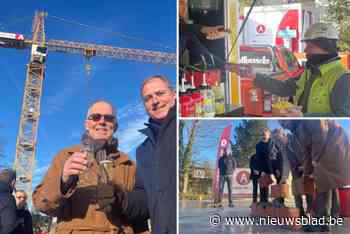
x,y
82,183
326,147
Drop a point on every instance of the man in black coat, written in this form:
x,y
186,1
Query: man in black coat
x,y
25,223
8,219
226,165
155,189
192,35
267,156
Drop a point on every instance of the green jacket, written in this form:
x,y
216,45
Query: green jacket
x,y
329,94
317,99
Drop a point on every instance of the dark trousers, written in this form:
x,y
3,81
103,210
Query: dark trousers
x,y
299,202
255,190
228,180
327,203
264,194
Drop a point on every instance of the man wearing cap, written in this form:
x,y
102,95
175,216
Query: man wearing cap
x,y
81,186
8,218
323,89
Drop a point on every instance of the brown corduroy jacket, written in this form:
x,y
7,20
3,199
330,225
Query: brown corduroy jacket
x,y
76,209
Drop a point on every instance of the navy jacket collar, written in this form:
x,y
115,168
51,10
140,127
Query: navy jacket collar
x,y
154,127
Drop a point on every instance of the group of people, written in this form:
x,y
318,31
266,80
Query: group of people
x,y
15,218
315,150
93,187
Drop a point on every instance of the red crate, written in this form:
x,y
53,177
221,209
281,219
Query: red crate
x,y
280,190
265,181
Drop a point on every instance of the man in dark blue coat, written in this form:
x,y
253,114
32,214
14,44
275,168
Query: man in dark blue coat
x,y
24,217
154,194
8,218
254,176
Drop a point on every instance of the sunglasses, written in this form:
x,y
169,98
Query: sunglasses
x,y
97,117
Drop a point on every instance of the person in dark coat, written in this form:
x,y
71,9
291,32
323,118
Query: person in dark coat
x,y
263,150
155,187
192,34
326,147
25,224
254,175
8,219
227,165
280,165
294,155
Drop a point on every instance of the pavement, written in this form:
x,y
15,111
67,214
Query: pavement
x,y
194,217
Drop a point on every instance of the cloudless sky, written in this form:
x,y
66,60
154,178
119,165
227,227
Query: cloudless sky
x,y
67,90
209,153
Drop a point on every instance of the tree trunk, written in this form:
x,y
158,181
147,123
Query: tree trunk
x,y
187,155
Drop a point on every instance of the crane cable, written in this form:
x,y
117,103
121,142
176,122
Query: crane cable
x,y
242,27
121,35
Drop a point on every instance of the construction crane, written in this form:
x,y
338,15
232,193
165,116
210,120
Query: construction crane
x,y
30,112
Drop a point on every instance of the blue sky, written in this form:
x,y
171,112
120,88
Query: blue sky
x,y
208,153
67,90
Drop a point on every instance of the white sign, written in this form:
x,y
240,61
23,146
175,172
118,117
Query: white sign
x,y
253,60
199,173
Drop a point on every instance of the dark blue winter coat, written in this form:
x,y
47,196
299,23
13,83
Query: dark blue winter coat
x,y
8,218
156,167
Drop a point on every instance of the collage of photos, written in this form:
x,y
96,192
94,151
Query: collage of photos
x,y
175,117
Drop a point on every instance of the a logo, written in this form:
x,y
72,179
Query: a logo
x,y
19,37
261,28
242,177
214,220
223,143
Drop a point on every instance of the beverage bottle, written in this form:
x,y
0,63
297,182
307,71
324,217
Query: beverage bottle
x,y
208,99
186,101
197,98
219,99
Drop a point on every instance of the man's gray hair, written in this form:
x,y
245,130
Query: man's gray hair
x,y
100,101
160,77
